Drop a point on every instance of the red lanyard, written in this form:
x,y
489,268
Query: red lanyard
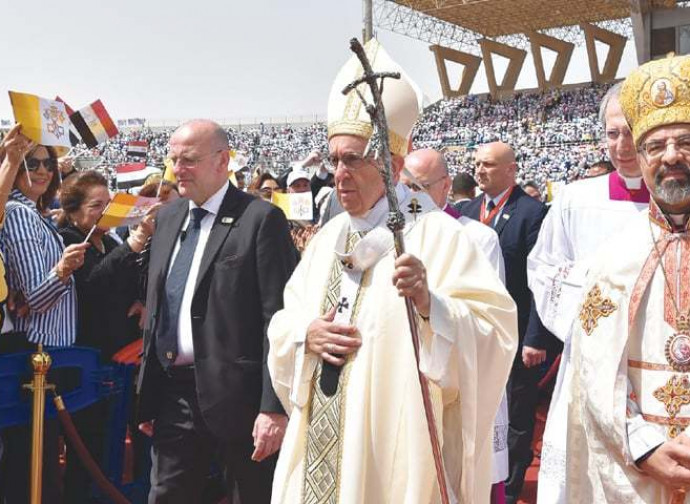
x,y
488,219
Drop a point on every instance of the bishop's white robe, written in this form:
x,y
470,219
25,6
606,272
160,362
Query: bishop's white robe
x,y
467,349
487,240
618,407
583,216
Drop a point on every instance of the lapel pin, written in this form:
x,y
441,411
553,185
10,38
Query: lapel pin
x,y
227,220
506,216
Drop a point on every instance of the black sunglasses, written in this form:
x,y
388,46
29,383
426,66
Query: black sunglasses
x,y
50,164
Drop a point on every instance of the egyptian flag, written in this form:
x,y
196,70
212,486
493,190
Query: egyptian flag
x,y
130,167
137,149
94,124
73,134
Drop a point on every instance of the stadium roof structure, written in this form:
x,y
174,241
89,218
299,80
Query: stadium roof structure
x,y
495,18
459,23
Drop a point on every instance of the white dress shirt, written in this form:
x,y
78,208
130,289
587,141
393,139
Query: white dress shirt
x,y
185,342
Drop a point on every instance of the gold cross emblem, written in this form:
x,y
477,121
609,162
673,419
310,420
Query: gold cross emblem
x,y
674,394
594,308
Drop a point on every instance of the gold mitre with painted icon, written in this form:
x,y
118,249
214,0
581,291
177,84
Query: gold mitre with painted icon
x,y
347,114
656,94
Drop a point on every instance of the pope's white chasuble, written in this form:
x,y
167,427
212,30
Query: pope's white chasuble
x,y
382,449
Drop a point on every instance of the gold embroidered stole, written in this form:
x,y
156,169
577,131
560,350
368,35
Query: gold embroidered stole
x,y
326,414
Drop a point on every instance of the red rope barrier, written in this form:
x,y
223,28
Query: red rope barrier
x,y
89,463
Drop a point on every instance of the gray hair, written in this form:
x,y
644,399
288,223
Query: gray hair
x,y
613,92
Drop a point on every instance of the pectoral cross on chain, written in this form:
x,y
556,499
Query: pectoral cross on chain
x,y
414,208
343,304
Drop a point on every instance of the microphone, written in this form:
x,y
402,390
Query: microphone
x,y
183,235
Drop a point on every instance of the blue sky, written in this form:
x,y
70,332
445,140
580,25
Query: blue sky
x,y
226,60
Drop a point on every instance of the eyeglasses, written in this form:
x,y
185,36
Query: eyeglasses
x,y
50,164
424,187
187,162
266,191
656,148
613,133
350,160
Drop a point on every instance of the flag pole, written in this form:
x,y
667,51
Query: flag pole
x,y
160,185
88,236
90,233
26,170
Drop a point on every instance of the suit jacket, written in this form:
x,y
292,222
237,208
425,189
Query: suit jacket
x,y
517,228
247,261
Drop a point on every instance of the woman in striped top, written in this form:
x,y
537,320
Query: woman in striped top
x,y
39,273
39,267
12,149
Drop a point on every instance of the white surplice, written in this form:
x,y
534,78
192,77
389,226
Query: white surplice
x,y
466,351
615,395
488,242
582,218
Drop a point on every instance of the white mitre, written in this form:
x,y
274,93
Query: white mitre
x,y
347,115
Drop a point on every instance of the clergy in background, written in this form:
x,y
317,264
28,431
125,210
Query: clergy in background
x,y
426,170
631,344
341,356
583,216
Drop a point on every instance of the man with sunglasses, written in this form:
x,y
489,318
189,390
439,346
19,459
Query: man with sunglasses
x,y
219,261
630,394
341,356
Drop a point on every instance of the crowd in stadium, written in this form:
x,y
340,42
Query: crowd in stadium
x,y
555,134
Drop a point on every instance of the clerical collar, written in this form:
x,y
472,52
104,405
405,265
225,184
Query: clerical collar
x,y
378,212
672,223
627,188
452,211
632,183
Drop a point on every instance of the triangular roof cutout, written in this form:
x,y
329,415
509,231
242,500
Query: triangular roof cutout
x,y
470,62
563,50
616,45
516,57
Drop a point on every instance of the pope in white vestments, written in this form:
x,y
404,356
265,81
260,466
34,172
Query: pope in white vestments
x,y
630,392
583,216
365,439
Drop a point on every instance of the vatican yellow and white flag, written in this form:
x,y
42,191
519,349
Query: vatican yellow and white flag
x,y
296,206
44,121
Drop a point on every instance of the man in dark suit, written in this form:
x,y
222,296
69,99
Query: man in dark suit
x,y
462,190
516,217
219,262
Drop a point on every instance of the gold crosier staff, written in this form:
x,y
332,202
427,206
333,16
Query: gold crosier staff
x,y
396,223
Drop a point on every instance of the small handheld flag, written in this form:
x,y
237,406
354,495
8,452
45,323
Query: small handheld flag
x,y
137,149
73,134
296,206
44,121
125,210
94,124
